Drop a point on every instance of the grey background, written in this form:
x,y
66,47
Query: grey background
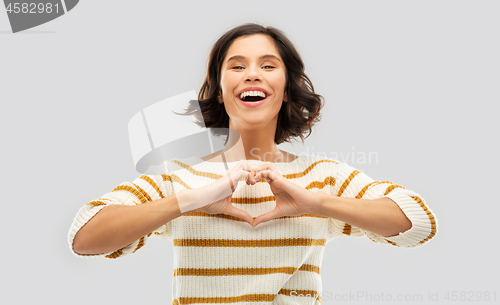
x,y
413,81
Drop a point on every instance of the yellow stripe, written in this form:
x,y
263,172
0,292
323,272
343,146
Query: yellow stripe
x,y
243,200
95,203
242,271
311,268
119,252
176,178
256,200
372,239
284,242
98,201
131,190
198,173
217,176
346,182
251,200
153,184
242,298
431,218
115,254
347,229
365,188
391,242
320,185
166,231
232,271
143,192
203,214
391,187
140,244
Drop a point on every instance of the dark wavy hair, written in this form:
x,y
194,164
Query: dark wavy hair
x,y
296,117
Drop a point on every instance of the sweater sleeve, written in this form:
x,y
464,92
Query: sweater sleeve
x,y
144,189
353,183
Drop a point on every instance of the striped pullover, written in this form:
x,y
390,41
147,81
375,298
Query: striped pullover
x,y
223,259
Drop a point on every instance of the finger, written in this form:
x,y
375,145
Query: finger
x,y
231,182
242,165
251,177
241,169
246,176
259,176
248,172
268,175
233,211
266,217
235,177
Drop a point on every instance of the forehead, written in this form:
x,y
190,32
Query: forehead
x,y
252,46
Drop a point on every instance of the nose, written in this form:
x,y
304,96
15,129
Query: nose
x,y
252,74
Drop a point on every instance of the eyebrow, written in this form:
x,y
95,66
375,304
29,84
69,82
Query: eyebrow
x,y
240,57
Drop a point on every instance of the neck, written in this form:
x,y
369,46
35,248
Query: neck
x,y
253,144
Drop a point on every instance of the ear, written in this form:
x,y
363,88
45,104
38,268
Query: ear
x,y
285,97
219,98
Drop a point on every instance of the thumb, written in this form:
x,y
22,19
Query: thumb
x,y
266,217
233,211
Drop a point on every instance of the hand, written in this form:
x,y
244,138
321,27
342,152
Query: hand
x,y
215,198
291,199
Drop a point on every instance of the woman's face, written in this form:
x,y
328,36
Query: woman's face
x,y
253,78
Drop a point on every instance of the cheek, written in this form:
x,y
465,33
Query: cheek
x,y
226,84
279,83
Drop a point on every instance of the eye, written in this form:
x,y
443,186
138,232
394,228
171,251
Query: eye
x,y
268,67
238,67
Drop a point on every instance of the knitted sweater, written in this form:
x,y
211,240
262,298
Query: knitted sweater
x,y
223,259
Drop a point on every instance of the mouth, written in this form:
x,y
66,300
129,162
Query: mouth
x,y
253,101
253,95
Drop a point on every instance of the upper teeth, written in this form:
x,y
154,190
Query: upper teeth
x,y
252,93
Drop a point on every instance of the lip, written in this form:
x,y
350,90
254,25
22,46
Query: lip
x,y
253,89
253,104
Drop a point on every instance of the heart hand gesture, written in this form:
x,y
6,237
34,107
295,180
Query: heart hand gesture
x,y
291,199
215,198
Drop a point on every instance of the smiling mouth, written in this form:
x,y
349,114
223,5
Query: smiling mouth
x,y
252,98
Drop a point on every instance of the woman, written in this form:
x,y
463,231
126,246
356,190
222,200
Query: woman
x,y
261,241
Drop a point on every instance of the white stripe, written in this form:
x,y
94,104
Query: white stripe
x,y
288,228
226,257
217,286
